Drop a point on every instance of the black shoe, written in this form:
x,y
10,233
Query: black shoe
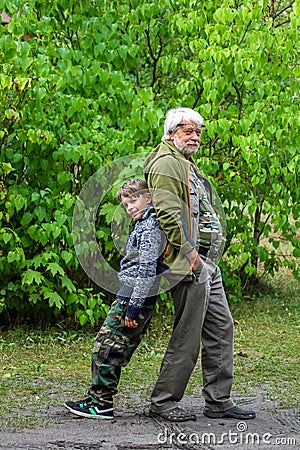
x,y
79,404
233,413
175,415
93,411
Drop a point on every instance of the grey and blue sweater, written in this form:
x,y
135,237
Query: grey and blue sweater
x,y
142,263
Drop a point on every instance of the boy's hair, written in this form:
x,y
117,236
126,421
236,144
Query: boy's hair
x,y
133,188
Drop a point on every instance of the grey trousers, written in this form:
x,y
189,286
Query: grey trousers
x,y
202,316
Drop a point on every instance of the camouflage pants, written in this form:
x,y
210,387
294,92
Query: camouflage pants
x,y
113,347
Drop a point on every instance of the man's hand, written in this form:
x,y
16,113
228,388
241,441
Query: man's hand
x,y
193,258
130,323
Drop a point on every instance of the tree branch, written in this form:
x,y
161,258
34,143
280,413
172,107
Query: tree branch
x,y
282,23
282,11
154,58
245,32
239,97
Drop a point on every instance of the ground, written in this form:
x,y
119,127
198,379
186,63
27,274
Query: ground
x,y
134,429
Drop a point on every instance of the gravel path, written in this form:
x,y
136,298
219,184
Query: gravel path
x,y
134,429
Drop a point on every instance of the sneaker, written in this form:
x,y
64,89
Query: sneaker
x,y
79,404
93,411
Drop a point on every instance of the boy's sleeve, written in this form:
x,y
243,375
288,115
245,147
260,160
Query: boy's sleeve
x,y
150,248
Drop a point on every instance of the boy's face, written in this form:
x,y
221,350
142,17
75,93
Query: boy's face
x,y
134,206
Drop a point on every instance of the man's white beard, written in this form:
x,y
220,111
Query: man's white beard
x,y
183,148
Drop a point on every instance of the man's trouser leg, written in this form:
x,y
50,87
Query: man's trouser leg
x,y
113,347
217,344
183,348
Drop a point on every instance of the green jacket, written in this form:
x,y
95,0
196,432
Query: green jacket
x,y
167,172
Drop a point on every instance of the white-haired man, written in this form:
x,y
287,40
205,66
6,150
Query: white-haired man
x,y
182,198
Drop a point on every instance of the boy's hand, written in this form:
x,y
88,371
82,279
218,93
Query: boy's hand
x,y
193,258
130,323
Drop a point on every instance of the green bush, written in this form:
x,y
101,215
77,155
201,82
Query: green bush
x,y
85,83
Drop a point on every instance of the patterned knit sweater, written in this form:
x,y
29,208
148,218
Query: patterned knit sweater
x,y
142,263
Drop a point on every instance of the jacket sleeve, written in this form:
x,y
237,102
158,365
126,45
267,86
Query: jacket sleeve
x,y
150,248
167,189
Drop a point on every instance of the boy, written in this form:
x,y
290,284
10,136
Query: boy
x,y
131,312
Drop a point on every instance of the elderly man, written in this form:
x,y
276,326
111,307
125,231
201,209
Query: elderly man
x,y
182,198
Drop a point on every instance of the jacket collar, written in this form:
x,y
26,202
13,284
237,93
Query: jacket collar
x,y
174,150
146,213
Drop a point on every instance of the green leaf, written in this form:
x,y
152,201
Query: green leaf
x,y
32,276
56,231
296,252
35,196
82,316
26,219
63,178
108,210
66,256
19,202
277,188
55,268
67,283
40,212
61,217
6,168
54,298
37,261
6,237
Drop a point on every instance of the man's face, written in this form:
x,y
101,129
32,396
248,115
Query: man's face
x,y
186,138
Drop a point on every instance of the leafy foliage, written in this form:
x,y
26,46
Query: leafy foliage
x,y
84,83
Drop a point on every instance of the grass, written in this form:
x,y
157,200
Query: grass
x,y
40,369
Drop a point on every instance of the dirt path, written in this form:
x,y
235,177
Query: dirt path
x,y
135,430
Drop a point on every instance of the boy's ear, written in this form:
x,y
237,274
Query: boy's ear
x,y
149,197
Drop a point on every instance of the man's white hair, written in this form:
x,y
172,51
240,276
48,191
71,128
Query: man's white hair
x,y
178,115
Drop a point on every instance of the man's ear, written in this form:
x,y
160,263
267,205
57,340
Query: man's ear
x,y
171,136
